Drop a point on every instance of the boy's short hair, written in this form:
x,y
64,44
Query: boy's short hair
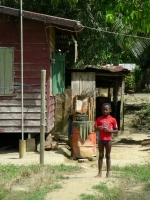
x,y
106,104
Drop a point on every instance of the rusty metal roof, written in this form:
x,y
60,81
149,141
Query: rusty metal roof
x,y
110,68
101,69
71,24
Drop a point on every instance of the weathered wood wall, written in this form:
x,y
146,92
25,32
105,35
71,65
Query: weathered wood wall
x,y
52,49
83,83
36,57
63,110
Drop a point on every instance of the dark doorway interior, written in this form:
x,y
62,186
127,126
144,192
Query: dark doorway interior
x,y
10,141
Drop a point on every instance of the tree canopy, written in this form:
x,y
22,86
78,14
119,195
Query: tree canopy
x,y
109,27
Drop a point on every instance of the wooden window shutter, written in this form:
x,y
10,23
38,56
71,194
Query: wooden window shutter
x,y
58,74
6,70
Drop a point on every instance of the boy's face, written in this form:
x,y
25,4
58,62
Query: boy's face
x,y
106,110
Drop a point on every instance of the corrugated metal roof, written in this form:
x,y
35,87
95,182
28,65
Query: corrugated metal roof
x,y
129,66
110,68
72,24
105,68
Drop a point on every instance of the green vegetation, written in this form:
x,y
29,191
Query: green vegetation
x,y
35,181
88,197
98,46
133,183
134,80
31,182
41,193
142,117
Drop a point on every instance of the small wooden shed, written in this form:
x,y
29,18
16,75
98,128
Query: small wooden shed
x,y
91,80
43,35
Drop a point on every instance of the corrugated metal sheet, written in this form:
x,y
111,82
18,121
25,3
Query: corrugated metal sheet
x,y
109,68
36,58
129,66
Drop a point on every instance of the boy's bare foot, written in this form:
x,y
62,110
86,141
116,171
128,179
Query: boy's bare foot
x,y
99,175
107,175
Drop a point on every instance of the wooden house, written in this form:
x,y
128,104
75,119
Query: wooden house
x,y
43,35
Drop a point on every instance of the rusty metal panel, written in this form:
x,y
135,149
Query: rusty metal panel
x,y
83,83
6,70
109,68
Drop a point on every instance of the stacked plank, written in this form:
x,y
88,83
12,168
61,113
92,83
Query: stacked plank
x,y
87,107
91,109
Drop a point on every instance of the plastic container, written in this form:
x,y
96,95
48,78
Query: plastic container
x,y
81,117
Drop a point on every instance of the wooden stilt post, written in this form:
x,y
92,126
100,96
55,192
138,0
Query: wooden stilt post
x,y
22,148
42,122
109,95
115,97
122,105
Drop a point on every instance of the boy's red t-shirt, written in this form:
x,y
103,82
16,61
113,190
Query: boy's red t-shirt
x,y
107,122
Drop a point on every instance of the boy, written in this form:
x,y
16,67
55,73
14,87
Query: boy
x,y
106,125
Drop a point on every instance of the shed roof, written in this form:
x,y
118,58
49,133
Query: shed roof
x,y
119,70
71,24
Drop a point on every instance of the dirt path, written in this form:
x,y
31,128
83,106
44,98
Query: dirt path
x,y
123,153
77,184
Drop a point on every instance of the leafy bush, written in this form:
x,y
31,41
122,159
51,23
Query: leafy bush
x,y
129,81
134,80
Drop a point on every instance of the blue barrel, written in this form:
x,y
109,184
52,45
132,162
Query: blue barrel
x,y
69,126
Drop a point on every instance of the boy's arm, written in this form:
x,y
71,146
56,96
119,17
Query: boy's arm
x,y
115,127
110,131
97,127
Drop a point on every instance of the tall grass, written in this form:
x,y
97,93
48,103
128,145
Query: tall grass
x,y
35,181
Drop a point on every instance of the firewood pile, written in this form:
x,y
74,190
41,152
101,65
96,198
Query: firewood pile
x,y
83,108
50,144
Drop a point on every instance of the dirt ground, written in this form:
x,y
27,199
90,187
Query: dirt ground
x,y
126,150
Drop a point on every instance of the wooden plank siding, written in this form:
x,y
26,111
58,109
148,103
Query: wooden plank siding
x,y
36,57
52,49
83,83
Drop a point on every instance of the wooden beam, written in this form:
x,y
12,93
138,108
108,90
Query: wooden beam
x,y
111,74
109,95
115,97
108,80
42,17
122,105
42,121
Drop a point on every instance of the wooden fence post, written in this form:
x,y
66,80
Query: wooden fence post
x,y
122,105
42,121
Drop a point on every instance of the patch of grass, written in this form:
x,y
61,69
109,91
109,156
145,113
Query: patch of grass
x,y
3,192
138,172
101,187
40,194
147,186
64,168
107,193
134,184
60,176
9,171
33,179
88,197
